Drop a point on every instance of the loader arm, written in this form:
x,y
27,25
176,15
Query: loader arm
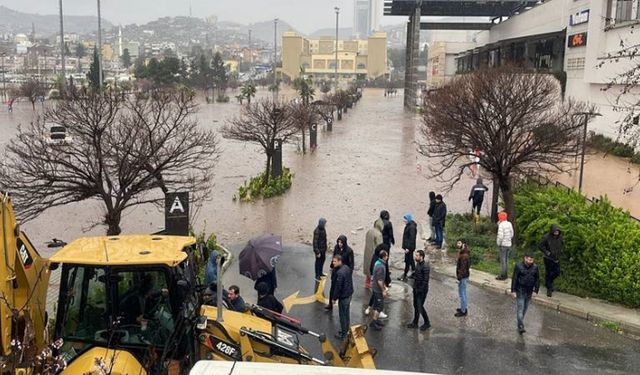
x,y
24,279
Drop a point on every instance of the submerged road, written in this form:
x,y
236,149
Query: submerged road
x,y
485,342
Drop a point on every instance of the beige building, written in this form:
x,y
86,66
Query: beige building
x,y
362,58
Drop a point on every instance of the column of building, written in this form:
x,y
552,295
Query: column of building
x,y
412,57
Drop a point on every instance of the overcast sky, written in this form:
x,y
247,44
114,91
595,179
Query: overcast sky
x,y
304,15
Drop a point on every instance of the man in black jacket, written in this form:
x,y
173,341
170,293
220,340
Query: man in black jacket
x,y
409,245
439,217
266,300
420,290
320,246
432,205
552,245
346,255
387,228
525,282
343,290
476,196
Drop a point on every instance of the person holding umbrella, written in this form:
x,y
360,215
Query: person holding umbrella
x,y
258,260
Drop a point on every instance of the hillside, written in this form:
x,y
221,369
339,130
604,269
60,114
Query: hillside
x,y
46,25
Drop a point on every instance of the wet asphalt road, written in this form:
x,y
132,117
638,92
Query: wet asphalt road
x,y
485,342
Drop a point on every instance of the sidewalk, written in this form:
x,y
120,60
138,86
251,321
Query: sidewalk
x,y
594,310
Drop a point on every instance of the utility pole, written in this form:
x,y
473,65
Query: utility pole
x,y
250,50
4,85
99,47
586,115
335,74
64,76
275,58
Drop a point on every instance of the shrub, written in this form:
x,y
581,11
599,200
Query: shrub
x,y
222,99
253,190
608,145
601,257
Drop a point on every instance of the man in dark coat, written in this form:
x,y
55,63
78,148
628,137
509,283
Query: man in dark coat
x,y
268,279
346,255
343,290
552,246
320,246
266,300
387,228
439,218
432,205
525,282
409,245
476,196
420,291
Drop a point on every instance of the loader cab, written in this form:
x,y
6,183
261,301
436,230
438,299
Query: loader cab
x,y
127,293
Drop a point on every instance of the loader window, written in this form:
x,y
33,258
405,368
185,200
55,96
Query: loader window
x,y
143,307
84,302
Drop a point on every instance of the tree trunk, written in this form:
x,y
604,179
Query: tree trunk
x,y
33,104
267,172
304,141
509,204
495,197
112,220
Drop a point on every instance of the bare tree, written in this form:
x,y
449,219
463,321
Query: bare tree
x,y
120,151
31,89
516,119
304,116
264,123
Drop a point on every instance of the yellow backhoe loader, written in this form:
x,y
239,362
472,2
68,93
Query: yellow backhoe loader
x,y
134,305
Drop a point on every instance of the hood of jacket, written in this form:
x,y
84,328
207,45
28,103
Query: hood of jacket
x,y
379,225
384,215
408,217
479,181
342,238
502,216
555,227
322,222
432,196
465,249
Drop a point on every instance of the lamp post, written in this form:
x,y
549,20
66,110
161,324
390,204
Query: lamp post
x,y
4,85
99,47
586,115
275,57
62,70
335,74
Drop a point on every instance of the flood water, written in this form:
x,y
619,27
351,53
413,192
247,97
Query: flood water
x,y
367,163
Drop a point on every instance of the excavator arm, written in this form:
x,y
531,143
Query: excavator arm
x,y
24,279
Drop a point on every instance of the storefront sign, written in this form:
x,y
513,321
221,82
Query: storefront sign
x,y
577,40
579,18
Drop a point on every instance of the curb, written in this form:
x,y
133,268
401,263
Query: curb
x,y
630,330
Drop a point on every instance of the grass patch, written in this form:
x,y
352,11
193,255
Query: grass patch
x,y
611,326
249,192
610,146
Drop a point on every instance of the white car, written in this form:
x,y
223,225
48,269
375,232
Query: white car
x,y
57,134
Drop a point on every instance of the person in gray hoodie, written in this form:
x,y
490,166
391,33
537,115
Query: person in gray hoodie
x,y
552,246
476,196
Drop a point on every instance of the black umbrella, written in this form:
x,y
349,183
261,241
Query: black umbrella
x,y
260,256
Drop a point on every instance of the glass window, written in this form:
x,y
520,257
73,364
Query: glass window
x,y
84,305
624,9
143,307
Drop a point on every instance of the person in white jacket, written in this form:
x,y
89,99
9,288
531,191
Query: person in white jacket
x,y
503,240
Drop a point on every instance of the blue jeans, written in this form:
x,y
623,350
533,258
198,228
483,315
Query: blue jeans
x,y
522,301
462,292
439,234
345,315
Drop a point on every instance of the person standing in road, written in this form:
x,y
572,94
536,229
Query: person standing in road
x,y
476,196
320,247
432,205
387,228
373,238
343,291
525,282
552,246
379,290
462,274
409,245
346,255
420,291
503,240
439,218
387,278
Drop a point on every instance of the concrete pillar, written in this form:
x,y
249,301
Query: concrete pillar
x,y
276,163
413,55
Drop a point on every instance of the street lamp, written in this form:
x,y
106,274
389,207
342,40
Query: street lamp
x,y
335,74
275,57
586,115
64,79
4,85
99,47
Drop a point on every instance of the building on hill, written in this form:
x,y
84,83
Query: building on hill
x,y
357,59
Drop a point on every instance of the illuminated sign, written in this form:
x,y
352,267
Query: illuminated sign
x,y
577,40
579,18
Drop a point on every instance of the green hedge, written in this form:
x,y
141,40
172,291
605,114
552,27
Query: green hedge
x,y
608,145
248,192
602,255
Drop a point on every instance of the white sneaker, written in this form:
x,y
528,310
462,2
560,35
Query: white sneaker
x,y
367,310
383,315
